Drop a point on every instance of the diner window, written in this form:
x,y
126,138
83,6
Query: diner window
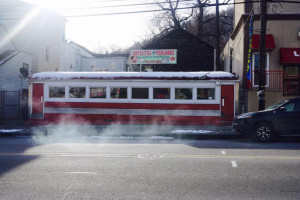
x,y
77,92
206,93
140,93
161,93
57,92
98,92
184,93
118,93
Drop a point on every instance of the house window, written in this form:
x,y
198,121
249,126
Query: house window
x,y
231,60
47,54
256,69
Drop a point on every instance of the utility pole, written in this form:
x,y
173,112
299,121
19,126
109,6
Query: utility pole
x,y
218,37
262,55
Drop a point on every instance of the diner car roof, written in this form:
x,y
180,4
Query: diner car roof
x,y
133,75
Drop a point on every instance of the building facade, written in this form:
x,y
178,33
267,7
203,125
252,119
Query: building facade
x,y
37,31
79,58
282,52
193,54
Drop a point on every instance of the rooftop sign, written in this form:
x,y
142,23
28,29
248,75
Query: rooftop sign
x,y
154,56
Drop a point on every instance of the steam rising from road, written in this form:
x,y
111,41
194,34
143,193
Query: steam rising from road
x,y
68,133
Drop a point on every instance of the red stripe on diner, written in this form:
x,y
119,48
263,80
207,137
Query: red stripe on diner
x,y
133,106
128,119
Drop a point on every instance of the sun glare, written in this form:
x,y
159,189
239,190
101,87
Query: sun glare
x,y
32,13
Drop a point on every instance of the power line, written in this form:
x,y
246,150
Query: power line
x,y
158,10
116,6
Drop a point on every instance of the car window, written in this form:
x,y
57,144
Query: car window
x,y
277,105
290,107
297,106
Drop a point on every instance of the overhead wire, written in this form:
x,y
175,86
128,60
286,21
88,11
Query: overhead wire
x,y
154,10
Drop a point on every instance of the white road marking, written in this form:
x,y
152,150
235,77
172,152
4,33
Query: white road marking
x,y
223,152
80,173
233,163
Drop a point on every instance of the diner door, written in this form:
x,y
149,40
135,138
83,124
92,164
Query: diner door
x,y
227,102
37,101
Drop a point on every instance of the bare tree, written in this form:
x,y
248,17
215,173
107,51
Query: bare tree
x,y
99,49
204,26
170,18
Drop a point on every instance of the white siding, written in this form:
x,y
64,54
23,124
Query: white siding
x,y
113,64
45,29
10,72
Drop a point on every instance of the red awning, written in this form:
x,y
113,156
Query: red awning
x,y
289,55
270,44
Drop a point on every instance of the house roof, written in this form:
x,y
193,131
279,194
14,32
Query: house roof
x,y
7,55
172,32
100,55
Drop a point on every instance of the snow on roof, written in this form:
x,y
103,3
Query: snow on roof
x,y
134,75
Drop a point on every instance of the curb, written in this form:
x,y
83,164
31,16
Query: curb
x,y
177,132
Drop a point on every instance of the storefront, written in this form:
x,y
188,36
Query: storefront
x,y
290,59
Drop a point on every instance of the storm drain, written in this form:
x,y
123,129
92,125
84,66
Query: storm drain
x,y
149,156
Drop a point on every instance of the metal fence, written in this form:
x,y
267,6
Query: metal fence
x,y
10,105
277,80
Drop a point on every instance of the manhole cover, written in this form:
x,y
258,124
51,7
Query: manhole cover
x,y
149,156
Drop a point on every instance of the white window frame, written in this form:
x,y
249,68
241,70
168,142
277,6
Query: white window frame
x,y
135,84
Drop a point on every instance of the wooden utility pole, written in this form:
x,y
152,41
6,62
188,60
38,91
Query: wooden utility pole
x,y
262,55
218,37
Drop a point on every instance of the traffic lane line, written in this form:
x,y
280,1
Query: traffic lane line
x,y
223,152
232,157
233,163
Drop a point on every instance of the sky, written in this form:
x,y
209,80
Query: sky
x,y
94,23
107,31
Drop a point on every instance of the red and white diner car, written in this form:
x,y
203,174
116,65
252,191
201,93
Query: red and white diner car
x,y
196,98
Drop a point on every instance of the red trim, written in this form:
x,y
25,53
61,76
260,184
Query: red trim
x,y
133,106
38,92
129,119
270,44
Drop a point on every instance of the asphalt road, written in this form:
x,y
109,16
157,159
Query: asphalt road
x,y
157,168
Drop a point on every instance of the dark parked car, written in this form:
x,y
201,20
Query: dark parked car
x,y
281,119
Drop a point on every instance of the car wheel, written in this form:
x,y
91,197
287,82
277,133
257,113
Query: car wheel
x,y
263,132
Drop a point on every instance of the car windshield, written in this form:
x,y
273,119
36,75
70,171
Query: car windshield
x,y
276,105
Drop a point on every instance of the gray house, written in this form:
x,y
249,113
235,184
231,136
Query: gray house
x,y
13,83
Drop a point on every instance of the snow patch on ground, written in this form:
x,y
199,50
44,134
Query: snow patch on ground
x,y
10,130
129,137
191,132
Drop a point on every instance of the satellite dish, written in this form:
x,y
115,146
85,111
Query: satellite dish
x,y
24,72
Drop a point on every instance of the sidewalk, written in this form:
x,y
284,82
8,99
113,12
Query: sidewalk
x,y
22,128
